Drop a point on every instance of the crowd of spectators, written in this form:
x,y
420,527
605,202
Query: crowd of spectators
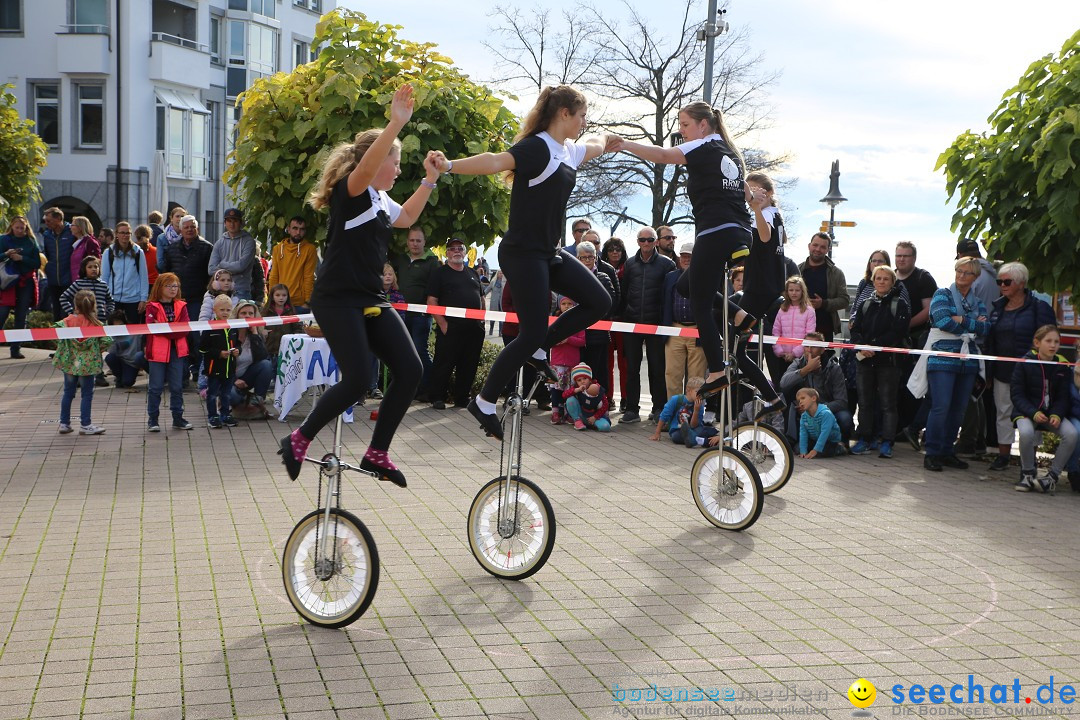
x,y
947,406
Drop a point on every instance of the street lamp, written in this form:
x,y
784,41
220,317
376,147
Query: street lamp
x,y
833,199
714,26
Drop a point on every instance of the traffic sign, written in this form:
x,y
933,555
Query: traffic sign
x,y
838,223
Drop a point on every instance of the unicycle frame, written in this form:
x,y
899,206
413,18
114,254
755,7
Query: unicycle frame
x,y
510,454
332,467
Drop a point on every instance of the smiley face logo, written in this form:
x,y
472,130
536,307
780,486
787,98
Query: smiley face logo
x,y
862,693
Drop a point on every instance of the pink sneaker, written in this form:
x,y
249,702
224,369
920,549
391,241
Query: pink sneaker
x,y
556,416
579,425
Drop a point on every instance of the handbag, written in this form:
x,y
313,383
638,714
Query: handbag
x,y
7,277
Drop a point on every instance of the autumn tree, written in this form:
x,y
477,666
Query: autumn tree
x,y
24,153
290,121
1018,185
637,78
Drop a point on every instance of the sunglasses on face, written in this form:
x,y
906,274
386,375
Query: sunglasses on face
x,y
646,240
667,237
580,230
1005,282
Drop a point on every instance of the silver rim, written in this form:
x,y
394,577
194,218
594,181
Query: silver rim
x,y
727,497
765,451
515,554
347,585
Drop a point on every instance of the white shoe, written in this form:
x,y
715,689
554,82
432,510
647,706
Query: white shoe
x,y
91,430
64,429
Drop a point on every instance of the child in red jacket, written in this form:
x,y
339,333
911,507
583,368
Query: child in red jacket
x,y
166,353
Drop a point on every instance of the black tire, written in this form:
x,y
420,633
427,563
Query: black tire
x,y
768,450
523,553
732,500
340,599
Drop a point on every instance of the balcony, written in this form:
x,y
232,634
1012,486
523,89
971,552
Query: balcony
x,y
179,61
83,50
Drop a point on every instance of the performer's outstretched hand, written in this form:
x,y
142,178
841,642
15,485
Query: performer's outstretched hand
x,y
437,156
432,165
401,108
613,143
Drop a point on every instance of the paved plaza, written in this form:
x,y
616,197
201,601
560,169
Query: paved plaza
x,y
140,578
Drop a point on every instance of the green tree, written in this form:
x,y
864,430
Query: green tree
x,y
290,122
1019,185
24,153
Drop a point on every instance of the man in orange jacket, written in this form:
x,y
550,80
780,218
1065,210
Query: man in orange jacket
x,y
293,265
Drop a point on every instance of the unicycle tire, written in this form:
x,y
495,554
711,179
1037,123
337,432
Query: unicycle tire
x,y
346,593
732,499
768,450
531,540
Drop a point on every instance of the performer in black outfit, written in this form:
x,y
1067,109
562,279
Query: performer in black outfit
x,y
347,300
718,196
543,161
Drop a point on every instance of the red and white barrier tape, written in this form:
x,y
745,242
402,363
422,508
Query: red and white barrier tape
x,y
65,333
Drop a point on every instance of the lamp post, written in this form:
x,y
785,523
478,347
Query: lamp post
x,y
713,27
833,199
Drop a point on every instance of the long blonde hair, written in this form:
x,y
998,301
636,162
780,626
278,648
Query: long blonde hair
x,y
341,161
701,110
804,303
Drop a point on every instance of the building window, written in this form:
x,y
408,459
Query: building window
x,y
88,16
262,49
183,132
91,116
237,42
46,112
301,53
11,16
215,40
261,7
232,119
313,5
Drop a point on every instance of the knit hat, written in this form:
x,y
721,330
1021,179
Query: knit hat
x,y
579,370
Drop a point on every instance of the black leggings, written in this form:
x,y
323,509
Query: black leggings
x,y
531,281
352,338
712,253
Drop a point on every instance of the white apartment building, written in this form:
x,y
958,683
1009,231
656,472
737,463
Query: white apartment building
x,y
113,83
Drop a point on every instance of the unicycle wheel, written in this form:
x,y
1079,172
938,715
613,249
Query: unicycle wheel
x,y
516,547
768,451
334,591
730,497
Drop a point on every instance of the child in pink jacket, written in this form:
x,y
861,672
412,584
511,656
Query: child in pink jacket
x,y
564,357
795,319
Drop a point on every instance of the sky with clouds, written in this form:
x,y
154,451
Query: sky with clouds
x,y
882,87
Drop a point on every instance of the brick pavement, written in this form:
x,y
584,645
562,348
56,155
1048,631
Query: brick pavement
x,y
140,577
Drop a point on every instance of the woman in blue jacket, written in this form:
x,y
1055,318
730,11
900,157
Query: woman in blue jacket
x,y
959,323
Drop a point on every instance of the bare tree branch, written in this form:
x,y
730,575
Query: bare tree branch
x,y
637,78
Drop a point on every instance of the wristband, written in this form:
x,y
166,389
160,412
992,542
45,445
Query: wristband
x,y
428,185
449,167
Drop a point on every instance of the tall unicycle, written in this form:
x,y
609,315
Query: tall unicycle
x,y
724,482
511,525
330,565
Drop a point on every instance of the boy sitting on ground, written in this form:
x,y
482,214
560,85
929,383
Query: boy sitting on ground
x,y
817,425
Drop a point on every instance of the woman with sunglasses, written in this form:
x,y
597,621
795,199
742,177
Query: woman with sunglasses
x,y
1014,318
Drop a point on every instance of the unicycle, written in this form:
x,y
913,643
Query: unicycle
x,y
511,525
724,482
330,565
